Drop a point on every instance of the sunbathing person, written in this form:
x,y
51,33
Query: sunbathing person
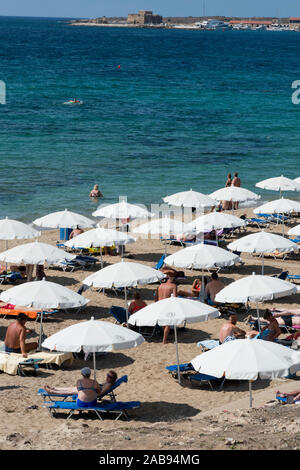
x,y
77,231
87,389
195,289
284,317
137,304
212,288
17,307
271,331
230,331
171,272
295,396
15,337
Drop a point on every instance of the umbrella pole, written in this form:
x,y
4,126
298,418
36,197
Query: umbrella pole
x,y
41,330
257,311
94,364
202,288
177,355
263,264
101,257
126,306
250,392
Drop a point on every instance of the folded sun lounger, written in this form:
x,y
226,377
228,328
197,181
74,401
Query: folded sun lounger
x,y
119,408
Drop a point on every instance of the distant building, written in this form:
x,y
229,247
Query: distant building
x,y
294,23
144,17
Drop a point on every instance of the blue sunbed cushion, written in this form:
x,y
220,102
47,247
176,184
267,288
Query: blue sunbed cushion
x,y
182,367
114,406
203,377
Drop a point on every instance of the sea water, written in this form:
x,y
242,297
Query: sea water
x,y
163,111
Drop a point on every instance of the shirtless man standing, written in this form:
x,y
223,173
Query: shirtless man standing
x,y
15,337
236,182
75,232
230,330
213,287
165,291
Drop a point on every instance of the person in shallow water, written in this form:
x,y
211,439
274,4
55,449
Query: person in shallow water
x,y
95,192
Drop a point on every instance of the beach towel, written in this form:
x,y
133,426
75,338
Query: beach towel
x,y
9,362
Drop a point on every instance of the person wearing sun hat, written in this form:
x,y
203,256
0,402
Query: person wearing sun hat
x,y
87,389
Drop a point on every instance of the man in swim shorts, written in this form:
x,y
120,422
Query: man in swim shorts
x,y
15,337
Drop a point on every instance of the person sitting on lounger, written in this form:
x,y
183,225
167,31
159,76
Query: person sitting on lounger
x,y
212,288
195,289
15,337
294,396
137,304
271,331
230,331
87,389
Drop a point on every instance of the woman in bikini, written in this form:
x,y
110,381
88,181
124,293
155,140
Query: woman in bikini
x,y
87,389
137,304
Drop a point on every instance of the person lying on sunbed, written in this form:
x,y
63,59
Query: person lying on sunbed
x,y
87,389
171,272
17,307
284,317
294,396
15,337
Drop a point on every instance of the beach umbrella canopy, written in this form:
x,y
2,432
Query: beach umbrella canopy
x,y
93,336
295,230
173,311
280,183
123,274
279,206
248,359
297,180
99,237
43,295
202,256
190,199
262,242
165,226
14,230
216,221
122,210
234,194
64,219
35,253
255,288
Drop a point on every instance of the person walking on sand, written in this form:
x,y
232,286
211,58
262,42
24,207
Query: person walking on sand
x,y
166,290
236,182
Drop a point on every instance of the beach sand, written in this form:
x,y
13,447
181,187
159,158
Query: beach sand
x,y
171,416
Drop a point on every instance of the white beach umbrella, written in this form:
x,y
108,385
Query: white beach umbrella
x,y
216,221
93,336
64,219
122,210
99,237
279,206
295,230
255,288
263,242
173,311
124,274
201,257
43,295
234,194
280,183
297,180
248,359
35,253
166,227
190,199
14,230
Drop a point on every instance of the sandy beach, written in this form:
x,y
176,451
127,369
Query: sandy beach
x,y
170,416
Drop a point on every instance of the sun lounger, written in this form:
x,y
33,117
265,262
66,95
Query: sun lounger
x,y
187,367
119,408
119,313
283,275
293,277
48,397
200,378
80,261
160,263
286,400
34,314
32,364
10,278
260,223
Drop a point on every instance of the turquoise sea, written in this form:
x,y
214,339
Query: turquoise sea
x,y
183,109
